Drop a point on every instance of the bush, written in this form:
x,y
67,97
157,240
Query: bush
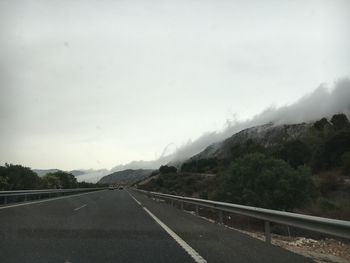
x,y
340,121
164,169
329,182
346,163
329,154
200,165
295,153
3,183
321,124
259,180
250,146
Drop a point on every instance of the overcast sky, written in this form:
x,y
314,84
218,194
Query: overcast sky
x,y
93,84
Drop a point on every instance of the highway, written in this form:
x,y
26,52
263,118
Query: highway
x,y
122,226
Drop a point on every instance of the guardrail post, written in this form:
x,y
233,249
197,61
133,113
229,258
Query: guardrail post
x,y
5,200
221,217
25,198
267,232
172,202
182,205
197,210
333,227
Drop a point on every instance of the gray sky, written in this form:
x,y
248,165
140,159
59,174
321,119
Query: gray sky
x,y
99,83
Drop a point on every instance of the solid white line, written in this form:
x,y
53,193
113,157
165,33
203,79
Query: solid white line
x,y
47,200
134,198
194,254
80,207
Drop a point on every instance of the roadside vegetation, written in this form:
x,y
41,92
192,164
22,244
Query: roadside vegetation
x,y
309,174
17,177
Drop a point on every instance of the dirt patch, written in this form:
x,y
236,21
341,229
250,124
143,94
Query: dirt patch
x,y
322,251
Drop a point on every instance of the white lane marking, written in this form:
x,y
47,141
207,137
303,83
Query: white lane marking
x,y
134,198
80,207
194,254
47,200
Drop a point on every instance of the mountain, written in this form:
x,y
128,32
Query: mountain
x,y
87,175
267,135
134,165
90,175
42,172
77,172
128,176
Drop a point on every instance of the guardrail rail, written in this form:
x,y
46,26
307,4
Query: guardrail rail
x,y
7,197
334,227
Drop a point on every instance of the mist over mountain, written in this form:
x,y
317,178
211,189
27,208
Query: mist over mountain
x,y
267,135
91,175
153,164
322,102
128,176
42,172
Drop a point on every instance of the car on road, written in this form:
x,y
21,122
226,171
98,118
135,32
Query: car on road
x,y
111,187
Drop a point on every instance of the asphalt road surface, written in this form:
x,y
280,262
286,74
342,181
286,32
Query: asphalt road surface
x,y
115,226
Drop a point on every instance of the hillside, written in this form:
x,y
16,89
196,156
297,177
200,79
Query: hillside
x,y
268,135
42,172
128,176
269,166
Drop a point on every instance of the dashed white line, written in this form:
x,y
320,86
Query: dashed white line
x,y
194,254
80,207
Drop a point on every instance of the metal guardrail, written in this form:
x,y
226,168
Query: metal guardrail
x,y
338,228
8,196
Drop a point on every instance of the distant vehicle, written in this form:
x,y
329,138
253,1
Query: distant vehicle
x,y
121,187
111,187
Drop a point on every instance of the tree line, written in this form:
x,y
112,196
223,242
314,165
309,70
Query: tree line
x,y
18,177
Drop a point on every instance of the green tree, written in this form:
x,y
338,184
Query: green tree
x,y
321,124
329,154
340,121
295,153
346,163
164,169
3,183
51,181
249,146
17,177
60,179
259,180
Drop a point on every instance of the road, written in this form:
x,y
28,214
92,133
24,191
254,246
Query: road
x,y
115,226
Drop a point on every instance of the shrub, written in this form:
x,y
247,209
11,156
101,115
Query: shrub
x,y
200,165
346,163
329,153
259,180
294,152
321,124
329,182
340,121
164,169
